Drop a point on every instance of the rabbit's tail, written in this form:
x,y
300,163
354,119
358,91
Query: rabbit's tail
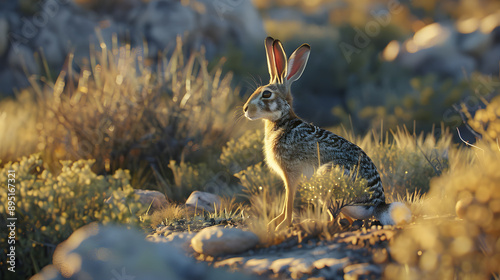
x,y
395,213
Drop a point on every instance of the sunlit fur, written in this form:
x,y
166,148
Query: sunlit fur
x,y
271,108
294,148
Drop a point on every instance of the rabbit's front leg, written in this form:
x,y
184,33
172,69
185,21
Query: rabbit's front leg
x,y
291,183
278,220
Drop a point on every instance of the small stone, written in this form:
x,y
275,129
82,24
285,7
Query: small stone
x,y
231,262
217,241
375,224
364,270
281,265
179,240
344,223
21,57
475,43
380,256
203,201
331,262
258,266
461,206
357,224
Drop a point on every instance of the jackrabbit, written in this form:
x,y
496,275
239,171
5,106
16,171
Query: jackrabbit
x,y
292,146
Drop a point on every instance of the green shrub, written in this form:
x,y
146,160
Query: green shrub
x,y
50,207
247,150
258,178
187,178
332,184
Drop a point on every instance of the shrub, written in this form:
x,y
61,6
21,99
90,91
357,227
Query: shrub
x,y
239,154
187,178
332,184
398,99
258,178
17,125
487,122
120,111
469,192
50,207
445,248
408,162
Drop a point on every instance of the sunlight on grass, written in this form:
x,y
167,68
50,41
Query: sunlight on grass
x,y
18,123
118,110
459,230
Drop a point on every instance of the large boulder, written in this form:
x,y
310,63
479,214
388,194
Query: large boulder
x,y
70,26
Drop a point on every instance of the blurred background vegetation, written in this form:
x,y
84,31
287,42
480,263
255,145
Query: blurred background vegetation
x,y
175,122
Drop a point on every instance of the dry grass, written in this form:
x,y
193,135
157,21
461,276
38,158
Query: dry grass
x,y
121,112
18,122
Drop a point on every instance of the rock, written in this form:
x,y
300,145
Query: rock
x,y
117,8
213,24
299,262
242,21
436,34
162,21
490,61
179,240
70,26
475,43
53,52
156,199
4,35
357,224
21,57
332,263
203,201
7,82
442,61
462,205
114,252
362,270
217,241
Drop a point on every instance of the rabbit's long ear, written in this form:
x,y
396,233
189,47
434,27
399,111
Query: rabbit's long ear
x,y
297,63
270,58
280,61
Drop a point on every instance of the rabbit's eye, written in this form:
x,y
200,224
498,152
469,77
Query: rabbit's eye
x,y
266,94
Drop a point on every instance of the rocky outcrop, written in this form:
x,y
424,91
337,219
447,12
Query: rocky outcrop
x,y
58,27
444,49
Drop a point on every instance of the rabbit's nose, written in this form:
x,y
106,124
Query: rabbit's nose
x,y
245,108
